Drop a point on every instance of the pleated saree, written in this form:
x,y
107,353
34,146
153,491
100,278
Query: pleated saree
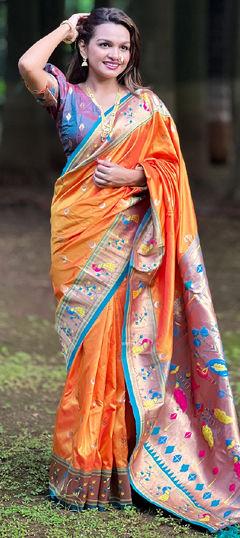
x,y
147,399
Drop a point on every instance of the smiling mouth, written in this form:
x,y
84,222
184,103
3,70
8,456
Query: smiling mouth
x,y
113,65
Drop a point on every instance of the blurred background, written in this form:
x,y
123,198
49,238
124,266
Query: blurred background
x,y
191,59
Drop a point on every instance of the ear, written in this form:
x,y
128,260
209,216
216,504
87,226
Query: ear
x,y
82,48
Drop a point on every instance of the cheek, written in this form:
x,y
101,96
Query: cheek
x,y
127,58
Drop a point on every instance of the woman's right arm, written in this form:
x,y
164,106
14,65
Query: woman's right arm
x,y
32,62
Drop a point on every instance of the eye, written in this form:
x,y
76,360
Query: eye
x,y
104,45
124,47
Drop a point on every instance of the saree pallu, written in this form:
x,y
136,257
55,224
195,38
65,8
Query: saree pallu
x,y
134,310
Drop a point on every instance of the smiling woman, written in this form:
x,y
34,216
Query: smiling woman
x,y
147,402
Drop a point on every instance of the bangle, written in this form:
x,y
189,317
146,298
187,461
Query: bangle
x,y
69,40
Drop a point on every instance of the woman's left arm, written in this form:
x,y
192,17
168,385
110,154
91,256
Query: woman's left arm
x,y
109,174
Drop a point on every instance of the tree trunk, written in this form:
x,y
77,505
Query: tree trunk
x,y
191,68
29,152
234,191
156,26
104,3
219,114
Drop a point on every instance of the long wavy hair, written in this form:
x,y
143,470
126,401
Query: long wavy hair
x,y
130,77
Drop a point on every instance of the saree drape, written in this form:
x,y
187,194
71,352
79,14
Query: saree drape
x,y
134,308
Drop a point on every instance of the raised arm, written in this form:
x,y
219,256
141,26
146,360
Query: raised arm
x,y
32,62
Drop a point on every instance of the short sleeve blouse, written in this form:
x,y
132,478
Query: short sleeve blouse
x,y
74,111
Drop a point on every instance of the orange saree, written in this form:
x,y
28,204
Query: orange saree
x,y
135,321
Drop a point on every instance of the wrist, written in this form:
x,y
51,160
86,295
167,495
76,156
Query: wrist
x,y
138,177
70,31
64,28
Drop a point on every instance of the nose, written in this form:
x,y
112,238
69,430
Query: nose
x,y
114,53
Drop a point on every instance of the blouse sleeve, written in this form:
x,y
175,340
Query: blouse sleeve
x,y
50,97
53,109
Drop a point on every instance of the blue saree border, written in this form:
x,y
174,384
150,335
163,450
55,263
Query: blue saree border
x,y
185,519
131,392
124,350
86,138
97,313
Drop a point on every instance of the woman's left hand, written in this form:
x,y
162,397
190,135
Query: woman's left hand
x,y
108,174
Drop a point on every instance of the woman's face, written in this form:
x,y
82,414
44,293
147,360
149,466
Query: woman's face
x,y
108,51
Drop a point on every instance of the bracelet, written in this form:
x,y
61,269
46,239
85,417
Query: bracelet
x,y
70,40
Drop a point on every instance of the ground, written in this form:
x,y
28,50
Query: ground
x,y
32,376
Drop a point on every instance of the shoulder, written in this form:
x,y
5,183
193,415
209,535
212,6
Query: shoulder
x,y
65,87
54,71
153,102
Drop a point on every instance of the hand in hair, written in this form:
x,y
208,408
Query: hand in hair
x,y
75,19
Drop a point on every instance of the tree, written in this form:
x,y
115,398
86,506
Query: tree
x,y
234,191
29,152
103,3
191,77
156,25
220,15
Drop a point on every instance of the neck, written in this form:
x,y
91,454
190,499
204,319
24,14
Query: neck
x,y
102,86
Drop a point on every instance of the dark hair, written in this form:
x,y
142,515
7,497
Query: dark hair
x,y
86,26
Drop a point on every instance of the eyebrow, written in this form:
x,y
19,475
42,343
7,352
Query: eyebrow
x,y
109,41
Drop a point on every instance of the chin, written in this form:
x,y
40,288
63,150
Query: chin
x,y
114,74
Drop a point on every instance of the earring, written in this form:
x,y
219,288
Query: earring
x,y
84,62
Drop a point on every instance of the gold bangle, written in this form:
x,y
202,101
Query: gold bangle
x,y
70,40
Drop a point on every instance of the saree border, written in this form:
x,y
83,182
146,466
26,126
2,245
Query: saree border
x,y
112,145
124,349
79,489
156,106
97,313
193,522
103,287
138,422
136,409
86,138
99,246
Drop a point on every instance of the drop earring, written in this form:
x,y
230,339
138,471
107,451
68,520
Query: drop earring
x,y
84,62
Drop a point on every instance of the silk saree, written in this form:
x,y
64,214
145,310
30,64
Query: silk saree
x,y
147,401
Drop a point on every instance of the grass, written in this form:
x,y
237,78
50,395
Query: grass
x,y
26,510
30,386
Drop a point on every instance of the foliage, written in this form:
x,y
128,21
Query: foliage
x,y
78,6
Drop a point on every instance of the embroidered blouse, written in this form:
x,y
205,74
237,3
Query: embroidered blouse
x,y
73,110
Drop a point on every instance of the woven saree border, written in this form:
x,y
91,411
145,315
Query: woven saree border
x,y
101,505
88,136
107,472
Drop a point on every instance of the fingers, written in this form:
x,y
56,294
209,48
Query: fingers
x,y
76,18
105,162
104,175
101,169
100,183
100,175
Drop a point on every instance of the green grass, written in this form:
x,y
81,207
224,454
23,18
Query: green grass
x,y
26,509
32,374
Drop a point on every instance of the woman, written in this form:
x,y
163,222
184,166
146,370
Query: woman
x,y
133,300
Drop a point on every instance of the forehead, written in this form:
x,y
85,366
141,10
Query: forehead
x,y
112,32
